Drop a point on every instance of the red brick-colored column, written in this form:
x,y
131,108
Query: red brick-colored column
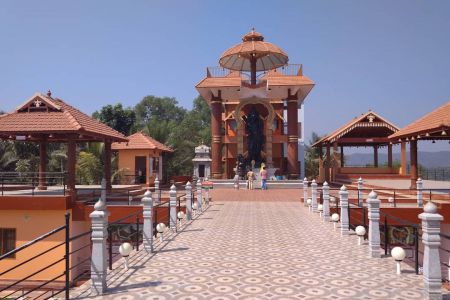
x,y
292,146
42,164
413,159
403,151
71,160
107,164
216,138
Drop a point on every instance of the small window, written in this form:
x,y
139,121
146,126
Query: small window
x,y
7,240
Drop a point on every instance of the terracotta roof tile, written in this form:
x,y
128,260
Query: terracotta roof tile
x,y
348,126
66,119
140,140
436,120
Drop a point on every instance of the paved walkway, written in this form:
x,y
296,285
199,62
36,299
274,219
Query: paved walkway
x,y
259,250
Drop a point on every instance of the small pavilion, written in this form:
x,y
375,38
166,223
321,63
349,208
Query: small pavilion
x,y
142,156
434,126
44,119
367,130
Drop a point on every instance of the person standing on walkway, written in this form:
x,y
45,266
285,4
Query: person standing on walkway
x,y
250,178
263,174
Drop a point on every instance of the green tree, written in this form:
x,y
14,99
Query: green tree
x,y
8,157
312,157
117,117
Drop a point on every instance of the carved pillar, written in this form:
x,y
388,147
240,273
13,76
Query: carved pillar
x,y
107,164
42,164
413,159
321,167
292,146
216,145
269,161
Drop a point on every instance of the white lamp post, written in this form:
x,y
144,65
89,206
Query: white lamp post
x,y
335,219
125,250
161,227
391,201
309,201
195,208
320,210
398,253
180,216
360,232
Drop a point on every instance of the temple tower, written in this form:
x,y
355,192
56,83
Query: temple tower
x,y
255,96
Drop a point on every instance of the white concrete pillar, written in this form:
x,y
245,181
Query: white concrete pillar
x,y
326,201
314,195
343,195
431,227
173,208
360,191
373,212
419,187
188,201
99,221
157,195
199,196
147,230
305,191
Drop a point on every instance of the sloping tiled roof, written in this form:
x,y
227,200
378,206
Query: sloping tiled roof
x,y
352,124
61,118
437,120
140,140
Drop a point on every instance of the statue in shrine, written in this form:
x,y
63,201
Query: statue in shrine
x,y
255,137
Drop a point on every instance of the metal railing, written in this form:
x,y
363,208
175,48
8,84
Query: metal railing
x,y
28,266
28,182
438,174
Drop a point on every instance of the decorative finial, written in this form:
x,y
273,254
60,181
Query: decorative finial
x,y
430,208
373,195
49,93
99,205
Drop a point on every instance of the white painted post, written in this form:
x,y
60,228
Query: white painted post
x,y
431,227
373,212
199,196
147,230
188,201
314,195
343,195
419,187
326,201
99,221
157,191
360,191
173,208
206,194
305,191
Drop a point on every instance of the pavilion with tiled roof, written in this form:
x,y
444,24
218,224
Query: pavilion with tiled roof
x,y
141,153
367,130
433,126
44,119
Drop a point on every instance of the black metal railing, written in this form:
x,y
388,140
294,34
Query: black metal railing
x,y
30,183
409,239
438,174
20,287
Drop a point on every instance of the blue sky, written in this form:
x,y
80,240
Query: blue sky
x,y
390,56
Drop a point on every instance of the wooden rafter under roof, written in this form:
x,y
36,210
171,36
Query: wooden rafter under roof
x,y
434,125
367,129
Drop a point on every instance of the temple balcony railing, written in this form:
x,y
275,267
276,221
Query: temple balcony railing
x,y
286,70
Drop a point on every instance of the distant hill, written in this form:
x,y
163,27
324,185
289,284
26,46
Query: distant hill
x,y
426,159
